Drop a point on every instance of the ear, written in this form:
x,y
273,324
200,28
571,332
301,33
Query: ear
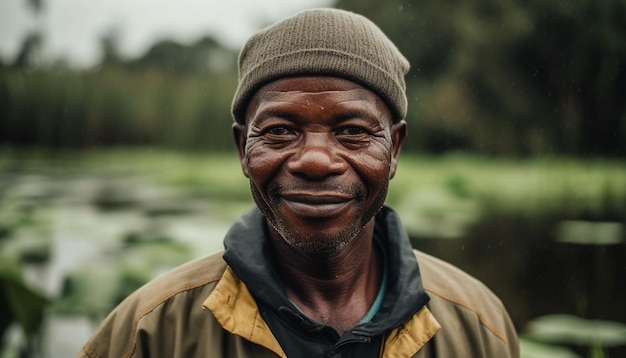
x,y
240,134
398,135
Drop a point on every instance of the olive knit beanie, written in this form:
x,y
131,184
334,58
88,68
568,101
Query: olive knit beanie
x,y
327,42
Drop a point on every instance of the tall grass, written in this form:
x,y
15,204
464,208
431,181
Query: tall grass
x,y
113,106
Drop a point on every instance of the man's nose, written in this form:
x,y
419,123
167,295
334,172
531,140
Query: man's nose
x,y
318,158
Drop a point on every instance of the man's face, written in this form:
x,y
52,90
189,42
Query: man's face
x,y
319,153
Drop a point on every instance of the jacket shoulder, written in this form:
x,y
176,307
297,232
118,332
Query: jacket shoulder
x,y
449,282
187,276
455,294
183,288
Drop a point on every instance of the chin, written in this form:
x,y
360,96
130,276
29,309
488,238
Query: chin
x,y
319,247
318,242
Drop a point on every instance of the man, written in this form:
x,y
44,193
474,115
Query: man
x,y
320,267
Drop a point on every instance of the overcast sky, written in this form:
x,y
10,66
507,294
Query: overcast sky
x,y
72,28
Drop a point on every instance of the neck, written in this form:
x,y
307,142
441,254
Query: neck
x,y
335,289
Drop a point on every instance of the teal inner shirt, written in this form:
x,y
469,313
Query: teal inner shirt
x,y
381,291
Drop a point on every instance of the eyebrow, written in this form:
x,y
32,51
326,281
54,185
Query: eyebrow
x,y
354,113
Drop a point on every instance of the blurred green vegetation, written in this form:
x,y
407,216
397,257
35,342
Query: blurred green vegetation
x,y
21,305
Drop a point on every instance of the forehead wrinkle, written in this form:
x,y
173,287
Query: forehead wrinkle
x,y
324,94
337,97
318,93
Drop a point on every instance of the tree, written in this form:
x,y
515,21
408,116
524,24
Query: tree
x,y
204,56
109,44
511,76
29,51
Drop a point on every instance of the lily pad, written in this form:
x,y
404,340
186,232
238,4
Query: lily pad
x,y
90,292
569,329
590,233
530,349
20,303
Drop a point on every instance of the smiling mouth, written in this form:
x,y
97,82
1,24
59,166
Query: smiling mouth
x,y
316,206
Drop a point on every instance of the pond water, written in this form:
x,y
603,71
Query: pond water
x,y
537,272
90,228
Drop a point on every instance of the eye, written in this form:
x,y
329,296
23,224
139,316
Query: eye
x,y
279,134
278,131
351,131
353,137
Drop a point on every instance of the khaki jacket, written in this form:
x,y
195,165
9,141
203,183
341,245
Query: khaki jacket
x,y
202,309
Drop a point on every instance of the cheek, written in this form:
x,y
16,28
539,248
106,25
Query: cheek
x,y
262,164
373,164
373,172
